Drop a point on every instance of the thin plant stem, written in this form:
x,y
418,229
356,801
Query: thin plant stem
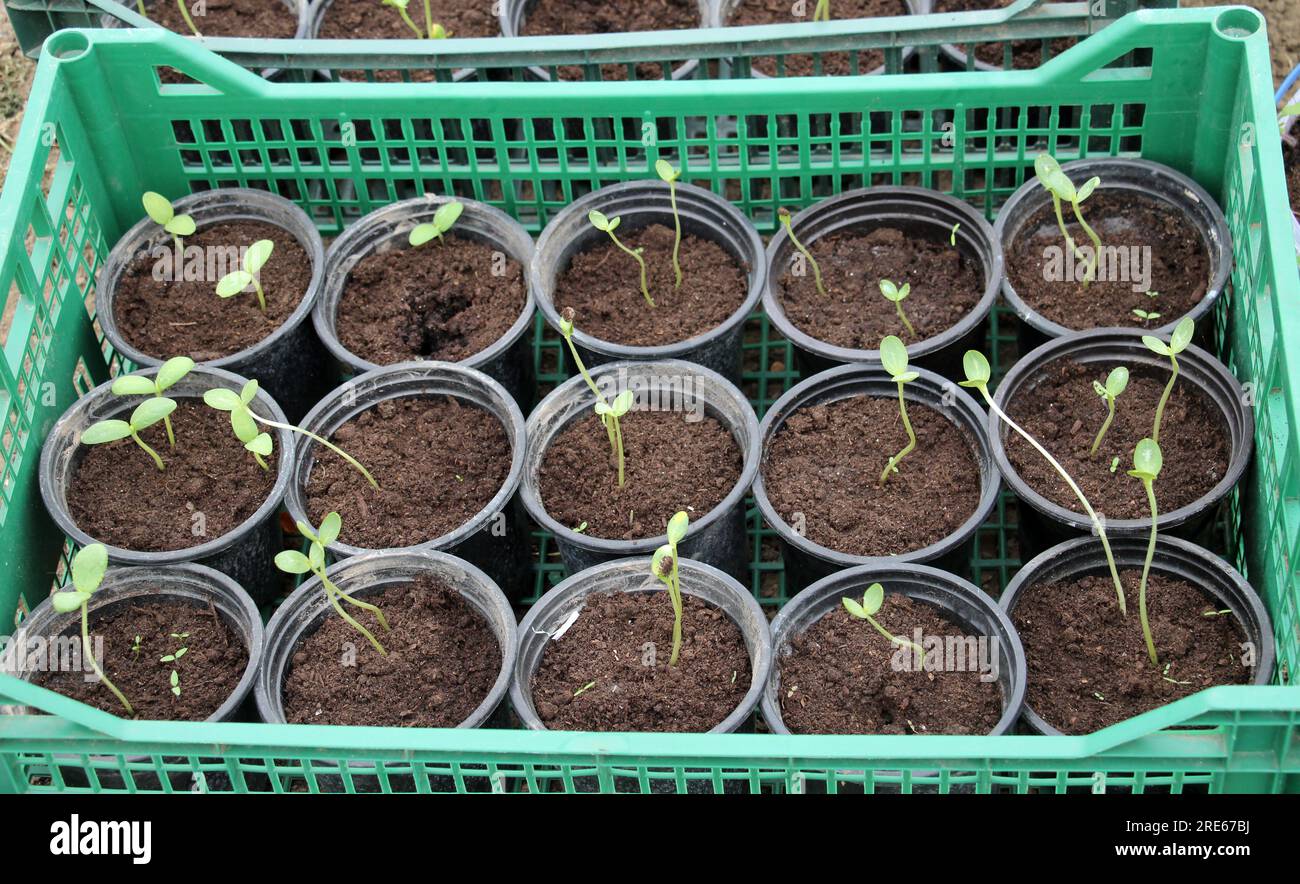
x,y
351,599
139,5
428,27
1146,569
822,12
334,593
185,14
893,639
1096,245
261,298
1110,416
636,253
618,439
677,223
612,428
171,437
1164,398
675,594
94,664
1060,222
410,24
158,461
260,462
331,446
817,271
582,370
898,305
894,461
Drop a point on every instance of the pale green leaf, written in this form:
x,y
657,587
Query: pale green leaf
x,y
157,207
1147,459
316,556
622,403
68,601
330,528
243,425
421,234
260,444
257,255
1182,336
233,283
893,353
665,171
873,598
447,215
171,371
1088,187
248,393
1117,381
852,606
1045,166
1155,345
889,290
603,409
151,411
292,562
661,562
307,531
599,221
134,385
88,567
222,399
181,225
907,377
976,368
677,526
105,431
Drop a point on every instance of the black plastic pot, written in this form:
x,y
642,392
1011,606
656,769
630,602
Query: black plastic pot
x,y
807,562
640,204
1224,587
718,537
508,360
497,538
918,212
290,361
513,14
1043,522
246,553
1137,178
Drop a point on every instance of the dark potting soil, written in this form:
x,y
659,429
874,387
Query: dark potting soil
x,y
1024,53
442,660
822,471
362,19
670,464
440,301
610,17
1063,412
1178,264
844,677
438,462
208,672
1291,154
187,318
228,18
210,484
603,286
607,645
946,285
835,64
1088,664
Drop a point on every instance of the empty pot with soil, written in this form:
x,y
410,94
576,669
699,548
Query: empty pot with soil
x,y
462,297
826,444
702,321
954,664
1088,664
938,246
212,503
1165,251
154,303
444,443
690,443
1025,54
1207,435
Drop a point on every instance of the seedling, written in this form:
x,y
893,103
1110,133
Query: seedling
x,y
443,220
244,421
664,566
185,14
1216,613
169,374
88,567
1179,341
1147,461
293,562
582,690
978,375
255,258
822,11
670,176
400,6
609,225
175,681
610,412
1145,315
1116,383
580,528
784,215
866,610
1059,185
1290,110
952,236
434,30
146,414
161,211
135,648
894,356
1114,464
1167,677
896,294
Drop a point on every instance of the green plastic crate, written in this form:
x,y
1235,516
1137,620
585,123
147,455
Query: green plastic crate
x,y
1191,89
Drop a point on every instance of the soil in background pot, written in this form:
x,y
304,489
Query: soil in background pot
x,y
135,637
442,662
441,302
367,20
946,285
1088,664
1291,157
1024,53
187,318
228,18
603,285
835,64
438,462
607,645
840,678
824,464
559,17
209,487
1179,265
1063,412
670,464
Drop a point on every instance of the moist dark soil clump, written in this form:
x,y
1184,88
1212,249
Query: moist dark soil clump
x,y
187,318
440,302
946,285
1024,53
670,464
442,662
1088,664
844,677
363,19
228,18
822,470
1064,413
834,64
207,673
610,17
607,645
1179,265
438,462
1291,154
210,486
603,285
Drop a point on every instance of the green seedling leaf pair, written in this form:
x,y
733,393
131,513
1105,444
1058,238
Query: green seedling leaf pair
x,y
88,568
610,413
893,354
1116,383
294,562
433,30
1147,461
160,210
443,220
664,566
897,296
1179,341
788,222
608,226
1059,185
872,601
255,258
145,415
670,176
169,374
